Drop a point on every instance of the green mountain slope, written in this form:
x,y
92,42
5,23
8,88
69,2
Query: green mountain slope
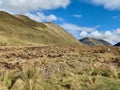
x,y
21,30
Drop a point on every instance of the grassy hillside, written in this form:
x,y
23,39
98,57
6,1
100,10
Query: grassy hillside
x,y
21,30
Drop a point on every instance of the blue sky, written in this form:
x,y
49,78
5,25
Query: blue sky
x,y
82,18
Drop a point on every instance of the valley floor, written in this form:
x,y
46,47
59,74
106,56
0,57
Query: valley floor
x,y
59,68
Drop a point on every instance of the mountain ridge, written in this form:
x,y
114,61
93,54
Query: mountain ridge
x,y
117,44
94,42
22,30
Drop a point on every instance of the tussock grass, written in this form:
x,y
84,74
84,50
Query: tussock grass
x,y
48,68
31,78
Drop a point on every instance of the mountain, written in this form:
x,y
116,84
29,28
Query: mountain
x,y
118,44
21,30
94,42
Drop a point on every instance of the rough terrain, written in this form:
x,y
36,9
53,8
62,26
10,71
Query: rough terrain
x,y
59,68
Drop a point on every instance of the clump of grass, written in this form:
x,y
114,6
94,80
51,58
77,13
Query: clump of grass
x,y
103,70
8,79
105,83
30,78
98,83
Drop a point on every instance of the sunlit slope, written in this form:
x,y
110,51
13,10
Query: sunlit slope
x,y
21,30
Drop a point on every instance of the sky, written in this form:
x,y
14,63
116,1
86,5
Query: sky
x,y
82,18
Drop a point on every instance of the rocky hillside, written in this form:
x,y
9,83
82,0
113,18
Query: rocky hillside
x,y
21,30
94,42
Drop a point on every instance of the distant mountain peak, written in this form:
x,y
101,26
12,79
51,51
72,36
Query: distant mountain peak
x,y
94,42
118,44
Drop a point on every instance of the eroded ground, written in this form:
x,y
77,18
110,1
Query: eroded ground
x,y
60,68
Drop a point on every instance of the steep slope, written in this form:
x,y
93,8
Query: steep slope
x,y
94,42
68,38
118,44
21,30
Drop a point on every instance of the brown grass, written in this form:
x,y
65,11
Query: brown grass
x,y
59,68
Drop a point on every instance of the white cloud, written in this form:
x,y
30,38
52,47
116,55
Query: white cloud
x,y
81,32
95,34
77,16
117,31
41,17
74,27
20,6
108,4
27,6
109,36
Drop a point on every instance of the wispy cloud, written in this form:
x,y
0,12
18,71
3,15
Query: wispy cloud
x,y
77,16
116,17
38,6
40,16
20,6
75,30
74,27
108,4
